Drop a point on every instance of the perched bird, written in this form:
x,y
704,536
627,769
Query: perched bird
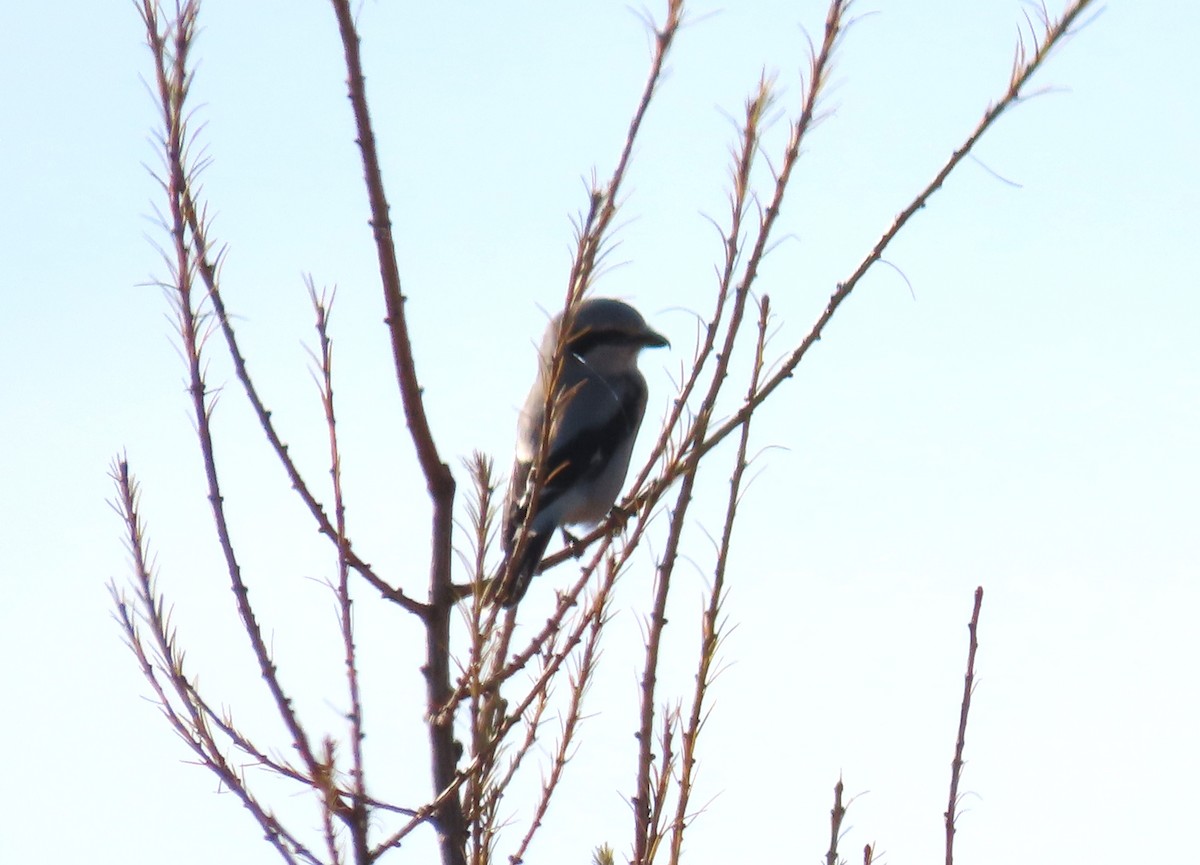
x,y
600,398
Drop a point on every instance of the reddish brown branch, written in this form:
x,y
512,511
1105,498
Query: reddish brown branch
x,y
956,764
358,815
173,78
1024,69
687,464
437,473
192,725
579,681
711,623
836,815
444,750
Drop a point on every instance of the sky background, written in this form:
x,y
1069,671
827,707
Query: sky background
x,y
1025,418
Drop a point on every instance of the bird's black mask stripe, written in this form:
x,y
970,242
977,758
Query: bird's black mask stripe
x,y
589,339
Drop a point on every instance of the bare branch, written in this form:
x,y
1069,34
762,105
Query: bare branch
x,y
579,679
358,816
685,466
836,815
206,266
1024,69
170,52
452,830
189,721
711,625
506,716
957,763
437,473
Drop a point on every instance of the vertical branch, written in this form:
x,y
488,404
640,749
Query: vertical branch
x,y
330,805
481,702
755,109
436,472
697,435
663,774
580,678
957,763
358,818
444,750
836,815
173,80
711,625
604,202
642,811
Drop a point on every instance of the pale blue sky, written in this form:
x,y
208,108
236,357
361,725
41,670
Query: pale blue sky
x,y
1029,422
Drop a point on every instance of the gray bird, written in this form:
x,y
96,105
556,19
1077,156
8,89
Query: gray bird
x,y
592,434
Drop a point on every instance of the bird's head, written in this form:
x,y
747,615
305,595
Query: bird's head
x,y
609,330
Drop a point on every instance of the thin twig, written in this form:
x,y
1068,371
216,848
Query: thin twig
x,y
325,781
192,729
1024,68
173,79
207,266
359,816
956,764
580,679
687,464
711,625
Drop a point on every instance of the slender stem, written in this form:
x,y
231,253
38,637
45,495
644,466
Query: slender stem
x,y
1023,71
956,764
444,750
711,623
836,815
687,465
192,727
359,816
173,78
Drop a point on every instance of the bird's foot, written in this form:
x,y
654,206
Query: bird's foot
x,y
619,517
572,543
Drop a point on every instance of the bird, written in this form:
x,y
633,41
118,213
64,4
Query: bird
x,y
598,403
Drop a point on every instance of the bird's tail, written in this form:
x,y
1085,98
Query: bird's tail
x,y
515,576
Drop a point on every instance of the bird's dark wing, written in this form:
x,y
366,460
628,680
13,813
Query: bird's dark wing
x,y
593,427
587,439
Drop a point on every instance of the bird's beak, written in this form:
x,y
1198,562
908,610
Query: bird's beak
x,y
653,339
